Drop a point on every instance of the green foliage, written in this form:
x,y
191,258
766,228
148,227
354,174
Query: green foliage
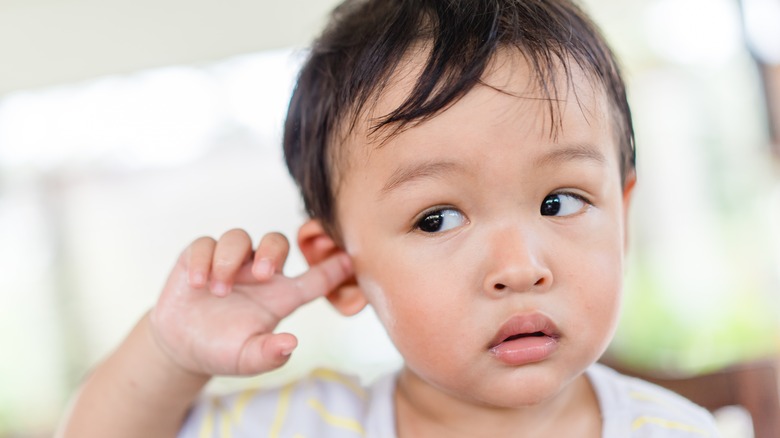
x,y
652,336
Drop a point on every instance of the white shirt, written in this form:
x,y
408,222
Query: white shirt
x,y
327,404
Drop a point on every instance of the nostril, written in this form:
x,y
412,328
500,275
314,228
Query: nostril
x,y
499,286
539,282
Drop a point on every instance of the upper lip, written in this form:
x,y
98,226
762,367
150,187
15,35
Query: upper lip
x,y
525,324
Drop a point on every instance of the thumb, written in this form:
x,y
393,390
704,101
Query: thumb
x,y
265,352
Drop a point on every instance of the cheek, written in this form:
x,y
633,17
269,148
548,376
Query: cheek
x,y
407,295
598,291
401,316
377,298
396,294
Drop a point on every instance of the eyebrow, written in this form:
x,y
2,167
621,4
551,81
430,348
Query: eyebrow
x,y
579,152
433,169
429,169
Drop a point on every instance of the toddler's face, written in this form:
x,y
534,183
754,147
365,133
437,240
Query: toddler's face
x,y
491,250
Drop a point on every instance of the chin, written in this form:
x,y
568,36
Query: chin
x,y
530,389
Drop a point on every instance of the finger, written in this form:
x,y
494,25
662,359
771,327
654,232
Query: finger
x,y
231,251
245,274
270,256
198,258
265,352
318,281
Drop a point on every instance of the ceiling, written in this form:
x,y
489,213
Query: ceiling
x,y
50,42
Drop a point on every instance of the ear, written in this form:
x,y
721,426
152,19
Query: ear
x,y
316,245
628,191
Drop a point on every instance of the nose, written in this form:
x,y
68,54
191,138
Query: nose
x,y
516,262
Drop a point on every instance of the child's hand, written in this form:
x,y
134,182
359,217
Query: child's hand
x,y
222,301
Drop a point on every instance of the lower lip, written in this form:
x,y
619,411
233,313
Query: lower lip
x,y
525,350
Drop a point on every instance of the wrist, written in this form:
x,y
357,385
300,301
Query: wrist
x,y
137,391
165,362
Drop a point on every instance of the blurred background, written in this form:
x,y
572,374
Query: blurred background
x,y
127,129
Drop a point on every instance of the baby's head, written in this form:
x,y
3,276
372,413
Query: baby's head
x,y
365,43
475,159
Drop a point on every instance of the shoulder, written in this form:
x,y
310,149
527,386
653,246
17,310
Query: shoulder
x,y
636,408
323,404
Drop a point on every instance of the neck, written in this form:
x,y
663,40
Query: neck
x,y
425,411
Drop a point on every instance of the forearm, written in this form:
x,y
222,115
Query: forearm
x,y
137,391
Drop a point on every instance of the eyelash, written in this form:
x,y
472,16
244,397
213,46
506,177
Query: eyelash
x,y
573,195
576,196
418,222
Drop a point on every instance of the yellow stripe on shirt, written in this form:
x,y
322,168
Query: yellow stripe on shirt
x,y
226,427
240,405
666,424
335,420
333,376
644,397
207,427
281,410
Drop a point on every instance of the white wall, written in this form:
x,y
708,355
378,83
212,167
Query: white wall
x,y
49,42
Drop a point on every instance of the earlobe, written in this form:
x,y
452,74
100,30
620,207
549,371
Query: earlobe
x,y
348,299
628,191
316,245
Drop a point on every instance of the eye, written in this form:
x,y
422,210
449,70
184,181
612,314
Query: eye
x,y
440,220
562,204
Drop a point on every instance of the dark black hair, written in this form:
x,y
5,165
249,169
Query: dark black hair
x,y
365,40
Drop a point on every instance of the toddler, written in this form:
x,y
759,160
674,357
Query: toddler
x,y
467,167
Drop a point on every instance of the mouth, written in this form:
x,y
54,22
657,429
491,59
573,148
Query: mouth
x,y
533,325
525,338
525,335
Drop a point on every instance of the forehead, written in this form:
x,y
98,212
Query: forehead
x,y
547,100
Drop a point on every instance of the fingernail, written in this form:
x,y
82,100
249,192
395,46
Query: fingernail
x,y
287,351
197,279
264,268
